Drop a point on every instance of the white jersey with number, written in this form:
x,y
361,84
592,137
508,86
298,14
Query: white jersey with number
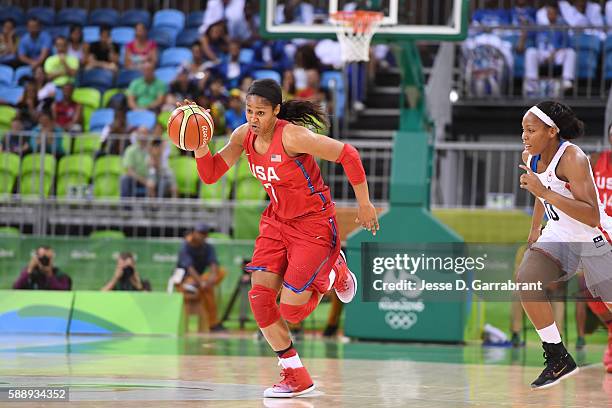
x,y
560,226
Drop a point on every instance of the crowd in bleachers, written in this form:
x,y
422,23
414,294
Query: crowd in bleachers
x,y
93,90
550,49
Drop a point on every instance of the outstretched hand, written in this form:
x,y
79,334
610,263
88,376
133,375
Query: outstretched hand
x,y
368,218
531,182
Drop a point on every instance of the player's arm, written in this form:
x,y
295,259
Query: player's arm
x,y
574,166
298,140
211,168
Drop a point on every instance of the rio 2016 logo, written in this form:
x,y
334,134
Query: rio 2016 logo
x,y
205,133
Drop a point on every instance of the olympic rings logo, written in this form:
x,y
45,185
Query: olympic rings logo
x,y
400,320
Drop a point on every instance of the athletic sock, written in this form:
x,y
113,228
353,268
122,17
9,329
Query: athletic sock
x,y
289,357
550,334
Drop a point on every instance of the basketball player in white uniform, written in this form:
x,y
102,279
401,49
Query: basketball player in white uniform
x,y
577,234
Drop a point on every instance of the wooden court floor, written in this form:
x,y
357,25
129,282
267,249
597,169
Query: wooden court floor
x,y
232,371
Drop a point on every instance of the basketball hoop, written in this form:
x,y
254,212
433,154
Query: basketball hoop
x,y
355,30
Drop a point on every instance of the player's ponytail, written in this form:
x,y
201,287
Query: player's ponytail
x,y
304,113
570,127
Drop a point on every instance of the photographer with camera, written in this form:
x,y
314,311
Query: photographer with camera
x,y
41,274
126,277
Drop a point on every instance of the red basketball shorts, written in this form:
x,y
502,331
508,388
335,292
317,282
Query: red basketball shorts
x,y
302,251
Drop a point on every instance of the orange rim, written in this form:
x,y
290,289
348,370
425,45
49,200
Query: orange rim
x,y
360,20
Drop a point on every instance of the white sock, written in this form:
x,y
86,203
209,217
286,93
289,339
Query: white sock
x,y
550,334
291,362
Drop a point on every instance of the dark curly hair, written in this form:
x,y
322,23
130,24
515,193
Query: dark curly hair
x,y
570,127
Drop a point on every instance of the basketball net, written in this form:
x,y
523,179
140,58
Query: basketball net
x,y
355,30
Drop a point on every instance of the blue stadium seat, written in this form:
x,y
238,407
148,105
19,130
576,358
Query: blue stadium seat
x,y
46,15
175,56
246,56
164,36
194,19
166,74
20,72
123,35
169,18
99,78
91,34
137,118
187,37
104,16
126,76
6,75
13,12
335,77
134,16
71,15
11,94
267,74
100,118
587,49
57,31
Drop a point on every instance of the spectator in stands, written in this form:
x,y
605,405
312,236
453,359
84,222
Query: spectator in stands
x,y
126,276
232,69
271,55
48,131
76,46
114,135
244,87
45,88
313,83
103,53
609,15
161,181
15,141
491,15
34,47
67,113
202,272
295,11
217,100
524,16
231,11
235,114
288,85
41,274
553,47
583,13
141,50
306,68
183,87
61,68
8,43
214,42
246,28
134,182
28,103
146,92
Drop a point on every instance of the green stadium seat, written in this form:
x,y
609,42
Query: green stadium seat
x,y
67,143
186,174
219,236
162,119
108,94
30,184
9,169
250,189
87,143
246,220
107,234
31,164
107,186
7,114
242,168
219,191
90,99
10,231
217,144
73,171
106,165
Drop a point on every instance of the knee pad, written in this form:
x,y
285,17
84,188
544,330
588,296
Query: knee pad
x,y
297,313
263,305
598,307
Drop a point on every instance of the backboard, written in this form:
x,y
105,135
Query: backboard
x,y
403,19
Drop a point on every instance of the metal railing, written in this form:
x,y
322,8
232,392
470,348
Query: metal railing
x,y
481,175
47,209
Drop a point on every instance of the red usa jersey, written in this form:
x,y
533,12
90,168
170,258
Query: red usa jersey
x,y
603,179
294,184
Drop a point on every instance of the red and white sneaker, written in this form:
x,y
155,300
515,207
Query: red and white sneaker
x,y
296,381
346,282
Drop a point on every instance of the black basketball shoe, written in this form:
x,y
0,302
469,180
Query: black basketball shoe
x,y
559,365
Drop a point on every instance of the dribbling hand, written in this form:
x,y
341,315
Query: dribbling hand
x,y
368,218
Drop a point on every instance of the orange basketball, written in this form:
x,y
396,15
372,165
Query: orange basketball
x,y
190,127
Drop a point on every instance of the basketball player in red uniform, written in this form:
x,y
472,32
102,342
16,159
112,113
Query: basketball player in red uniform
x,y
602,171
297,252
